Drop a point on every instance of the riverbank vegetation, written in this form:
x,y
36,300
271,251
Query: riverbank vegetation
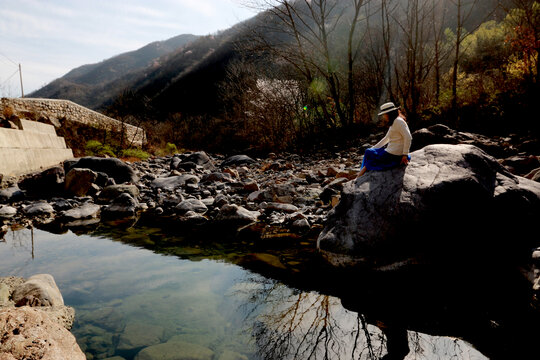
x,y
306,74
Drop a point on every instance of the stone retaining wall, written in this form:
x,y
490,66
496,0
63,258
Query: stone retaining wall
x,y
31,147
64,113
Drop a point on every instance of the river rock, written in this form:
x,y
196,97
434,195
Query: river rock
x,y
284,193
534,175
192,219
237,160
236,215
442,134
216,176
286,208
173,182
7,212
85,211
111,192
231,355
521,165
40,208
450,202
251,186
220,200
46,183
120,171
183,165
194,205
29,333
11,194
123,206
38,290
175,350
200,158
79,181
435,134
138,335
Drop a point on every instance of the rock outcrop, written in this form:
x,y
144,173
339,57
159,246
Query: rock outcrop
x,y
29,333
34,322
452,202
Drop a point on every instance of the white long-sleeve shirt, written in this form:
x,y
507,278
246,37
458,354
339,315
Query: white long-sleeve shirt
x,y
398,138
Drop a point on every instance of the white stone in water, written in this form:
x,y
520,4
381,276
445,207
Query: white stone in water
x,y
39,290
7,211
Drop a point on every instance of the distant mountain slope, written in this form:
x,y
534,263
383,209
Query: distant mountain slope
x,y
188,81
92,85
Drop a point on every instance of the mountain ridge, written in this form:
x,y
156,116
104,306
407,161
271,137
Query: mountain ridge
x,y
91,85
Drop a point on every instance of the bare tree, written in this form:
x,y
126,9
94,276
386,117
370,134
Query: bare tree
x,y
306,35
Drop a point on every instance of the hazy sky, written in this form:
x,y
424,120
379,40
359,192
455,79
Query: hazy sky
x,y
51,37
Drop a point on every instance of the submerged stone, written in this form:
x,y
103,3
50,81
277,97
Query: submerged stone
x,y
138,335
175,350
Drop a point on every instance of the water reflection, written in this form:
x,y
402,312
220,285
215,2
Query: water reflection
x,y
289,324
298,310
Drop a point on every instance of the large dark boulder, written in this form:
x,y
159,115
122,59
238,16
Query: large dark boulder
x,y
452,203
190,161
79,181
442,134
120,171
237,160
44,184
124,206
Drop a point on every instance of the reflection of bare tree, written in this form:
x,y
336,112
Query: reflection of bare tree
x,y
306,325
290,324
21,241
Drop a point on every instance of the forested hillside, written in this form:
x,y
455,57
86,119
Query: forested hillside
x,y
283,79
313,73
95,84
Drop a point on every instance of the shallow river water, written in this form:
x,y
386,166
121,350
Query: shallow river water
x,y
134,303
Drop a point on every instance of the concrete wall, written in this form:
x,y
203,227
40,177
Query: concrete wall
x,y
32,147
65,113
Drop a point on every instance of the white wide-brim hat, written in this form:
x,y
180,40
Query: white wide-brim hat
x,y
387,107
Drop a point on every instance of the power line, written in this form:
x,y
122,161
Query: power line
x,y
9,78
13,62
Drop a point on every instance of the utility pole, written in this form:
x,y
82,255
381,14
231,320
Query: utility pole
x,y
20,76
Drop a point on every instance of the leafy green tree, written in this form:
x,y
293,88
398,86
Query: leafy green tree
x,y
486,49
